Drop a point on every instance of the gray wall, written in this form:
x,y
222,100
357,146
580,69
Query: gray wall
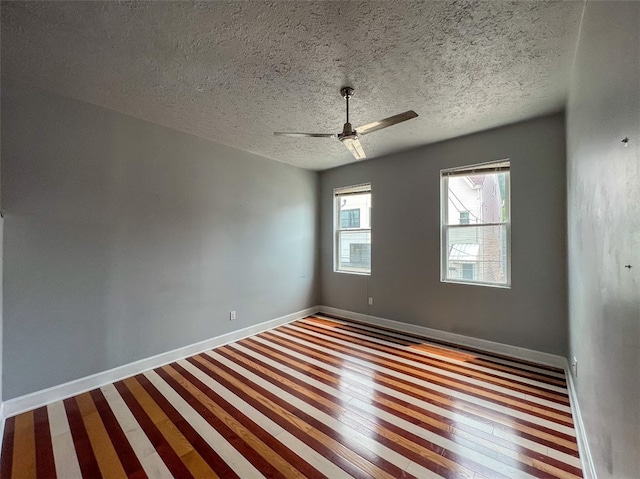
x,y
604,233
405,280
125,239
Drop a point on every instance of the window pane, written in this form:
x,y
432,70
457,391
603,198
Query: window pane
x,y
477,253
355,251
355,210
476,199
350,218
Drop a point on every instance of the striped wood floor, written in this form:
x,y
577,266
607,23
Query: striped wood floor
x,y
320,398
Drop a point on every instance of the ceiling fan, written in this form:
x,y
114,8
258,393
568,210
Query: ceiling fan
x,y
349,136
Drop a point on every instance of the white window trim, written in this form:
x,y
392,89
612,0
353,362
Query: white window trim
x,y
355,189
489,167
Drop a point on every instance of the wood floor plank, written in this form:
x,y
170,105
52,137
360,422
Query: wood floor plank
x,y
45,463
24,451
6,458
64,450
317,398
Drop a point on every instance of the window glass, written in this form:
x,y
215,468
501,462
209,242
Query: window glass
x,y
350,218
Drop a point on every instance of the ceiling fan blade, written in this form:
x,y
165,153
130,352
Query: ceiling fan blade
x,y
306,135
380,124
354,146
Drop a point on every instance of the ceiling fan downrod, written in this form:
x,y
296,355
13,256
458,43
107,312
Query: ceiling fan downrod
x,y
347,92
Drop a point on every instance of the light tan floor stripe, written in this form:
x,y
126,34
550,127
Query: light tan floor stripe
x,y
64,451
24,448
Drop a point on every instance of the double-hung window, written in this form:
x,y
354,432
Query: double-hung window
x,y
353,229
476,224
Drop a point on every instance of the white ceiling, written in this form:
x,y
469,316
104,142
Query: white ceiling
x,y
235,72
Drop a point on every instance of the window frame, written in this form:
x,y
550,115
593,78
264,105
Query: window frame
x,y
363,188
498,166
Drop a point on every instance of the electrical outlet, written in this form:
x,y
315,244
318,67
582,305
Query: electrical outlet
x,y
574,366
232,315
370,301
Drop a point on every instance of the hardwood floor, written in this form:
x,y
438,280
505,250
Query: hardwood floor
x,y
317,398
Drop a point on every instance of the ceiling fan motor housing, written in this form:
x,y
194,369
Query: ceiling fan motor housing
x,y
348,132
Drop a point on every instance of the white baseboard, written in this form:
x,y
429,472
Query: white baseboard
x,y
78,386
588,467
482,344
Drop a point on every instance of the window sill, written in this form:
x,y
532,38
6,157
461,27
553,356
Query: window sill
x,y
357,273
470,283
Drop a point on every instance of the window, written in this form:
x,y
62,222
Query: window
x,y
353,229
476,224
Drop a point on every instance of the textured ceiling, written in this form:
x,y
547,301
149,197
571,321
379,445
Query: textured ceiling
x,y
235,72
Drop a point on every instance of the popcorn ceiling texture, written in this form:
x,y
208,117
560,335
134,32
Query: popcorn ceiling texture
x,y
235,72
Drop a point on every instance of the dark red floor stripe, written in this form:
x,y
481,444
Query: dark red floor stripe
x,y
86,457
6,458
45,463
